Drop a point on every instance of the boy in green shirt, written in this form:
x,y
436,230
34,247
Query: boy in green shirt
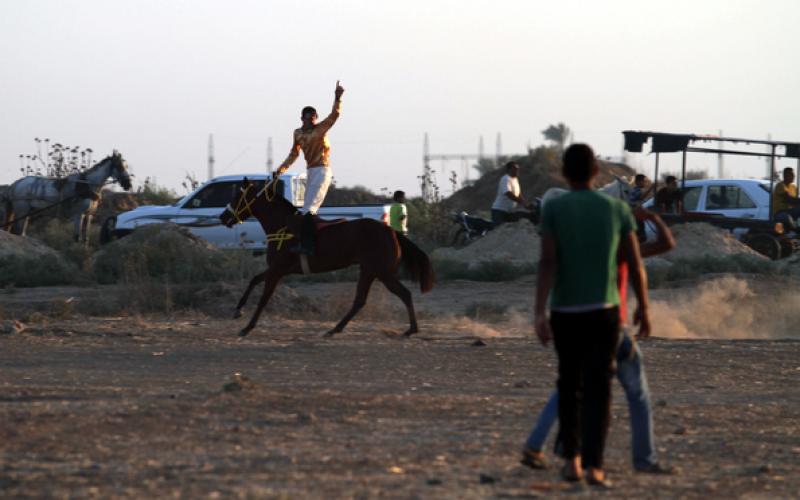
x,y
581,233
398,214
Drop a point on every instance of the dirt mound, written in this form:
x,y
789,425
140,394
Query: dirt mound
x,y
164,251
514,243
20,246
701,239
539,171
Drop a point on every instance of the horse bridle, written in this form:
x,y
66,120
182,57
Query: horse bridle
x,y
270,191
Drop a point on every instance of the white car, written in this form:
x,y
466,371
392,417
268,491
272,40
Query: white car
x,y
740,198
199,212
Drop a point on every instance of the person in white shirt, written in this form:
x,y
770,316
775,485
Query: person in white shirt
x,y
509,196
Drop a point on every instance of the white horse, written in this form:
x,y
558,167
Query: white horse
x,y
620,188
77,195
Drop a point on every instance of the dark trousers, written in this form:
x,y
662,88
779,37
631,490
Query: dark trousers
x,y
501,217
586,344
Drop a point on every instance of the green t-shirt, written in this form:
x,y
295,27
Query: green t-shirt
x,y
398,217
586,226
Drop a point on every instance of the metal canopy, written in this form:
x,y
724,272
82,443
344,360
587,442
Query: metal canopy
x,y
663,142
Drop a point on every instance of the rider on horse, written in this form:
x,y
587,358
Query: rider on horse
x,y
312,139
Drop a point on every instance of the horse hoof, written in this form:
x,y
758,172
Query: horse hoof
x,y
237,314
330,333
244,332
410,332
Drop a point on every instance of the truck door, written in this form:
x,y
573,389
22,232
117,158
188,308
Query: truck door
x,y
731,201
200,214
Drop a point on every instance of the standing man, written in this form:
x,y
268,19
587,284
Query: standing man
x,y
630,372
398,213
581,234
508,195
669,198
785,203
638,193
312,139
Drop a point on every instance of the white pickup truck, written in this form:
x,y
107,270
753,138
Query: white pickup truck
x,y
199,212
739,198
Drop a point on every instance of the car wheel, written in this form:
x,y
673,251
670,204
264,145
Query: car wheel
x,y
765,244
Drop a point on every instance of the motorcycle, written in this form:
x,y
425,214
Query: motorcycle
x,y
470,228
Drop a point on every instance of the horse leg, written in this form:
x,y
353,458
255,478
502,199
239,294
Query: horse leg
x,y
393,284
258,278
365,280
76,227
270,282
23,226
87,223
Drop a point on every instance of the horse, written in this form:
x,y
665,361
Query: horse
x,y
77,195
374,246
620,188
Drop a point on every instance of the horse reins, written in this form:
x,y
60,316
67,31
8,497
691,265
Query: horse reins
x,y
269,191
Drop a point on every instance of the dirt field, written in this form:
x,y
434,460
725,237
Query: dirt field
x,y
151,406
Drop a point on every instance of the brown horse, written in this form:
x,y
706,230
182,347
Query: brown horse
x,y
375,247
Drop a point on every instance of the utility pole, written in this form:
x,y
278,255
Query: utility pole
x,y
210,156
770,159
720,163
498,149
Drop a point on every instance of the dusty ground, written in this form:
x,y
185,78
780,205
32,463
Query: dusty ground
x,y
150,406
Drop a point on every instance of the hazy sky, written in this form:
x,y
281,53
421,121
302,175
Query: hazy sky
x,y
155,78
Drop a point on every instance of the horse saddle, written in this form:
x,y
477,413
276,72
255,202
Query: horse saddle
x,y
320,223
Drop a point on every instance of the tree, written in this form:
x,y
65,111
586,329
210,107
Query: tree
x,y
558,134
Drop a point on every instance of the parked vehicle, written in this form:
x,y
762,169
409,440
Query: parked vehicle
x,y
739,205
199,212
470,228
740,198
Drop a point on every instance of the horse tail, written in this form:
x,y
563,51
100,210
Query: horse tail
x,y
417,263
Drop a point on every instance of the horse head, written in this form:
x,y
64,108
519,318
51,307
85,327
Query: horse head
x,y
119,170
241,207
249,198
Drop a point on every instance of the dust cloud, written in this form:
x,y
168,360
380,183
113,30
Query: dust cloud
x,y
726,308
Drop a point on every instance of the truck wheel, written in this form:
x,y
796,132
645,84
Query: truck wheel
x,y
765,244
787,248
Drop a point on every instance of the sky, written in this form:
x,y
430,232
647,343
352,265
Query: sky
x,y
153,79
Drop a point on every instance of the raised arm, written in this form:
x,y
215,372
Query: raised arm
x,y
664,240
630,252
337,107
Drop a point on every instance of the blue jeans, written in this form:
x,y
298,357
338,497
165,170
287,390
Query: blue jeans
x,y
630,373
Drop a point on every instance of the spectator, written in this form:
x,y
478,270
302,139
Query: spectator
x,y
669,199
581,234
639,193
630,372
508,196
398,213
785,203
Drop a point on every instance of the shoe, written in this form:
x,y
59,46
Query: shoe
x,y
656,468
568,476
603,484
534,459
